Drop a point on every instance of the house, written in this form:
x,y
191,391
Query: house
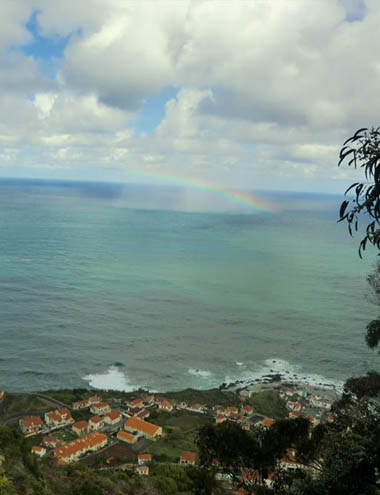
x,y
58,418
231,409
246,425
71,451
195,407
112,418
40,451
95,423
187,458
165,405
288,462
81,404
80,428
142,414
2,393
142,470
267,422
142,427
144,458
247,410
236,416
100,408
52,442
123,436
220,419
136,403
95,399
294,406
220,410
148,400
31,424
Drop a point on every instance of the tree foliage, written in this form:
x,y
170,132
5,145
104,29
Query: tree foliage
x,y
362,150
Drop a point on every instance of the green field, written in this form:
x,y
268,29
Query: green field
x,y
269,403
209,398
180,430
21,403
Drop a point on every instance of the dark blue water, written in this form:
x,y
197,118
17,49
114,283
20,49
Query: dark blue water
x,y
94,290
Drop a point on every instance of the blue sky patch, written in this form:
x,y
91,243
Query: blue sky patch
x,y
153,111
44,49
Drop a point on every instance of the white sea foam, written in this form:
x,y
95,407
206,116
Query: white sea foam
x,y
238,363
289,372
197,372
113,379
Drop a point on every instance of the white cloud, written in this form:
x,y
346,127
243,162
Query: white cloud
x,y
267,91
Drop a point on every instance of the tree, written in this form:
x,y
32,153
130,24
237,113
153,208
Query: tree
x,y
363,150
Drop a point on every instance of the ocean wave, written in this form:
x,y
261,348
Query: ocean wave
x,y
198,372
238,363
112,379
288,372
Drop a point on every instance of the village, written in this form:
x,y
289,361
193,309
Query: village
x,y
94,426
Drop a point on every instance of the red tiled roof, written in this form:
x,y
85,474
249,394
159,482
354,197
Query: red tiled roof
x,y
141,425
113,415
96,419
38,449
188,456
144,457
123,435
80,425
268,422
31,421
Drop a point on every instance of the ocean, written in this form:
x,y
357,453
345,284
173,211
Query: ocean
x,y
127,286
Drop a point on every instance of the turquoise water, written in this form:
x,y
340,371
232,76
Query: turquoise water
x,y
96,292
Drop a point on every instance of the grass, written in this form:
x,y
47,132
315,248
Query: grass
x,y
210,397
269,403
21,403
180,430
64,435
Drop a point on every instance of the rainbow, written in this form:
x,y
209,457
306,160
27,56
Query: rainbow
x,y
239,196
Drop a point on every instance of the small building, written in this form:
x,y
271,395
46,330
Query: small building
x,y
187,458
59,417
144,458
100,408
40,451
136,403
246,425
220,419
148,400
95,399
2,393
95,423
31,425
81,404
123,436
72,451
165,405
231,409
267,422
247,410
144,428
112,418
142,470
52,442
195,407
80,428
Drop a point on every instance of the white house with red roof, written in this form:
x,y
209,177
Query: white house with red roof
x,y
40,451
100,408
113,417
144,458
81,404
142,470
58,418
95,423
31,425
80,428
165,405
187,458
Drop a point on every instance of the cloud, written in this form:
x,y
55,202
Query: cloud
x,y
265,91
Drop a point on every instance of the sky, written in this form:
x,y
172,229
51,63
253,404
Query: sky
x,y
253,94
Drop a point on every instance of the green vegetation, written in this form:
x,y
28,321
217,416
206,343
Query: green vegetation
x,y
68,396
209,398
21,404
269,403
181,429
